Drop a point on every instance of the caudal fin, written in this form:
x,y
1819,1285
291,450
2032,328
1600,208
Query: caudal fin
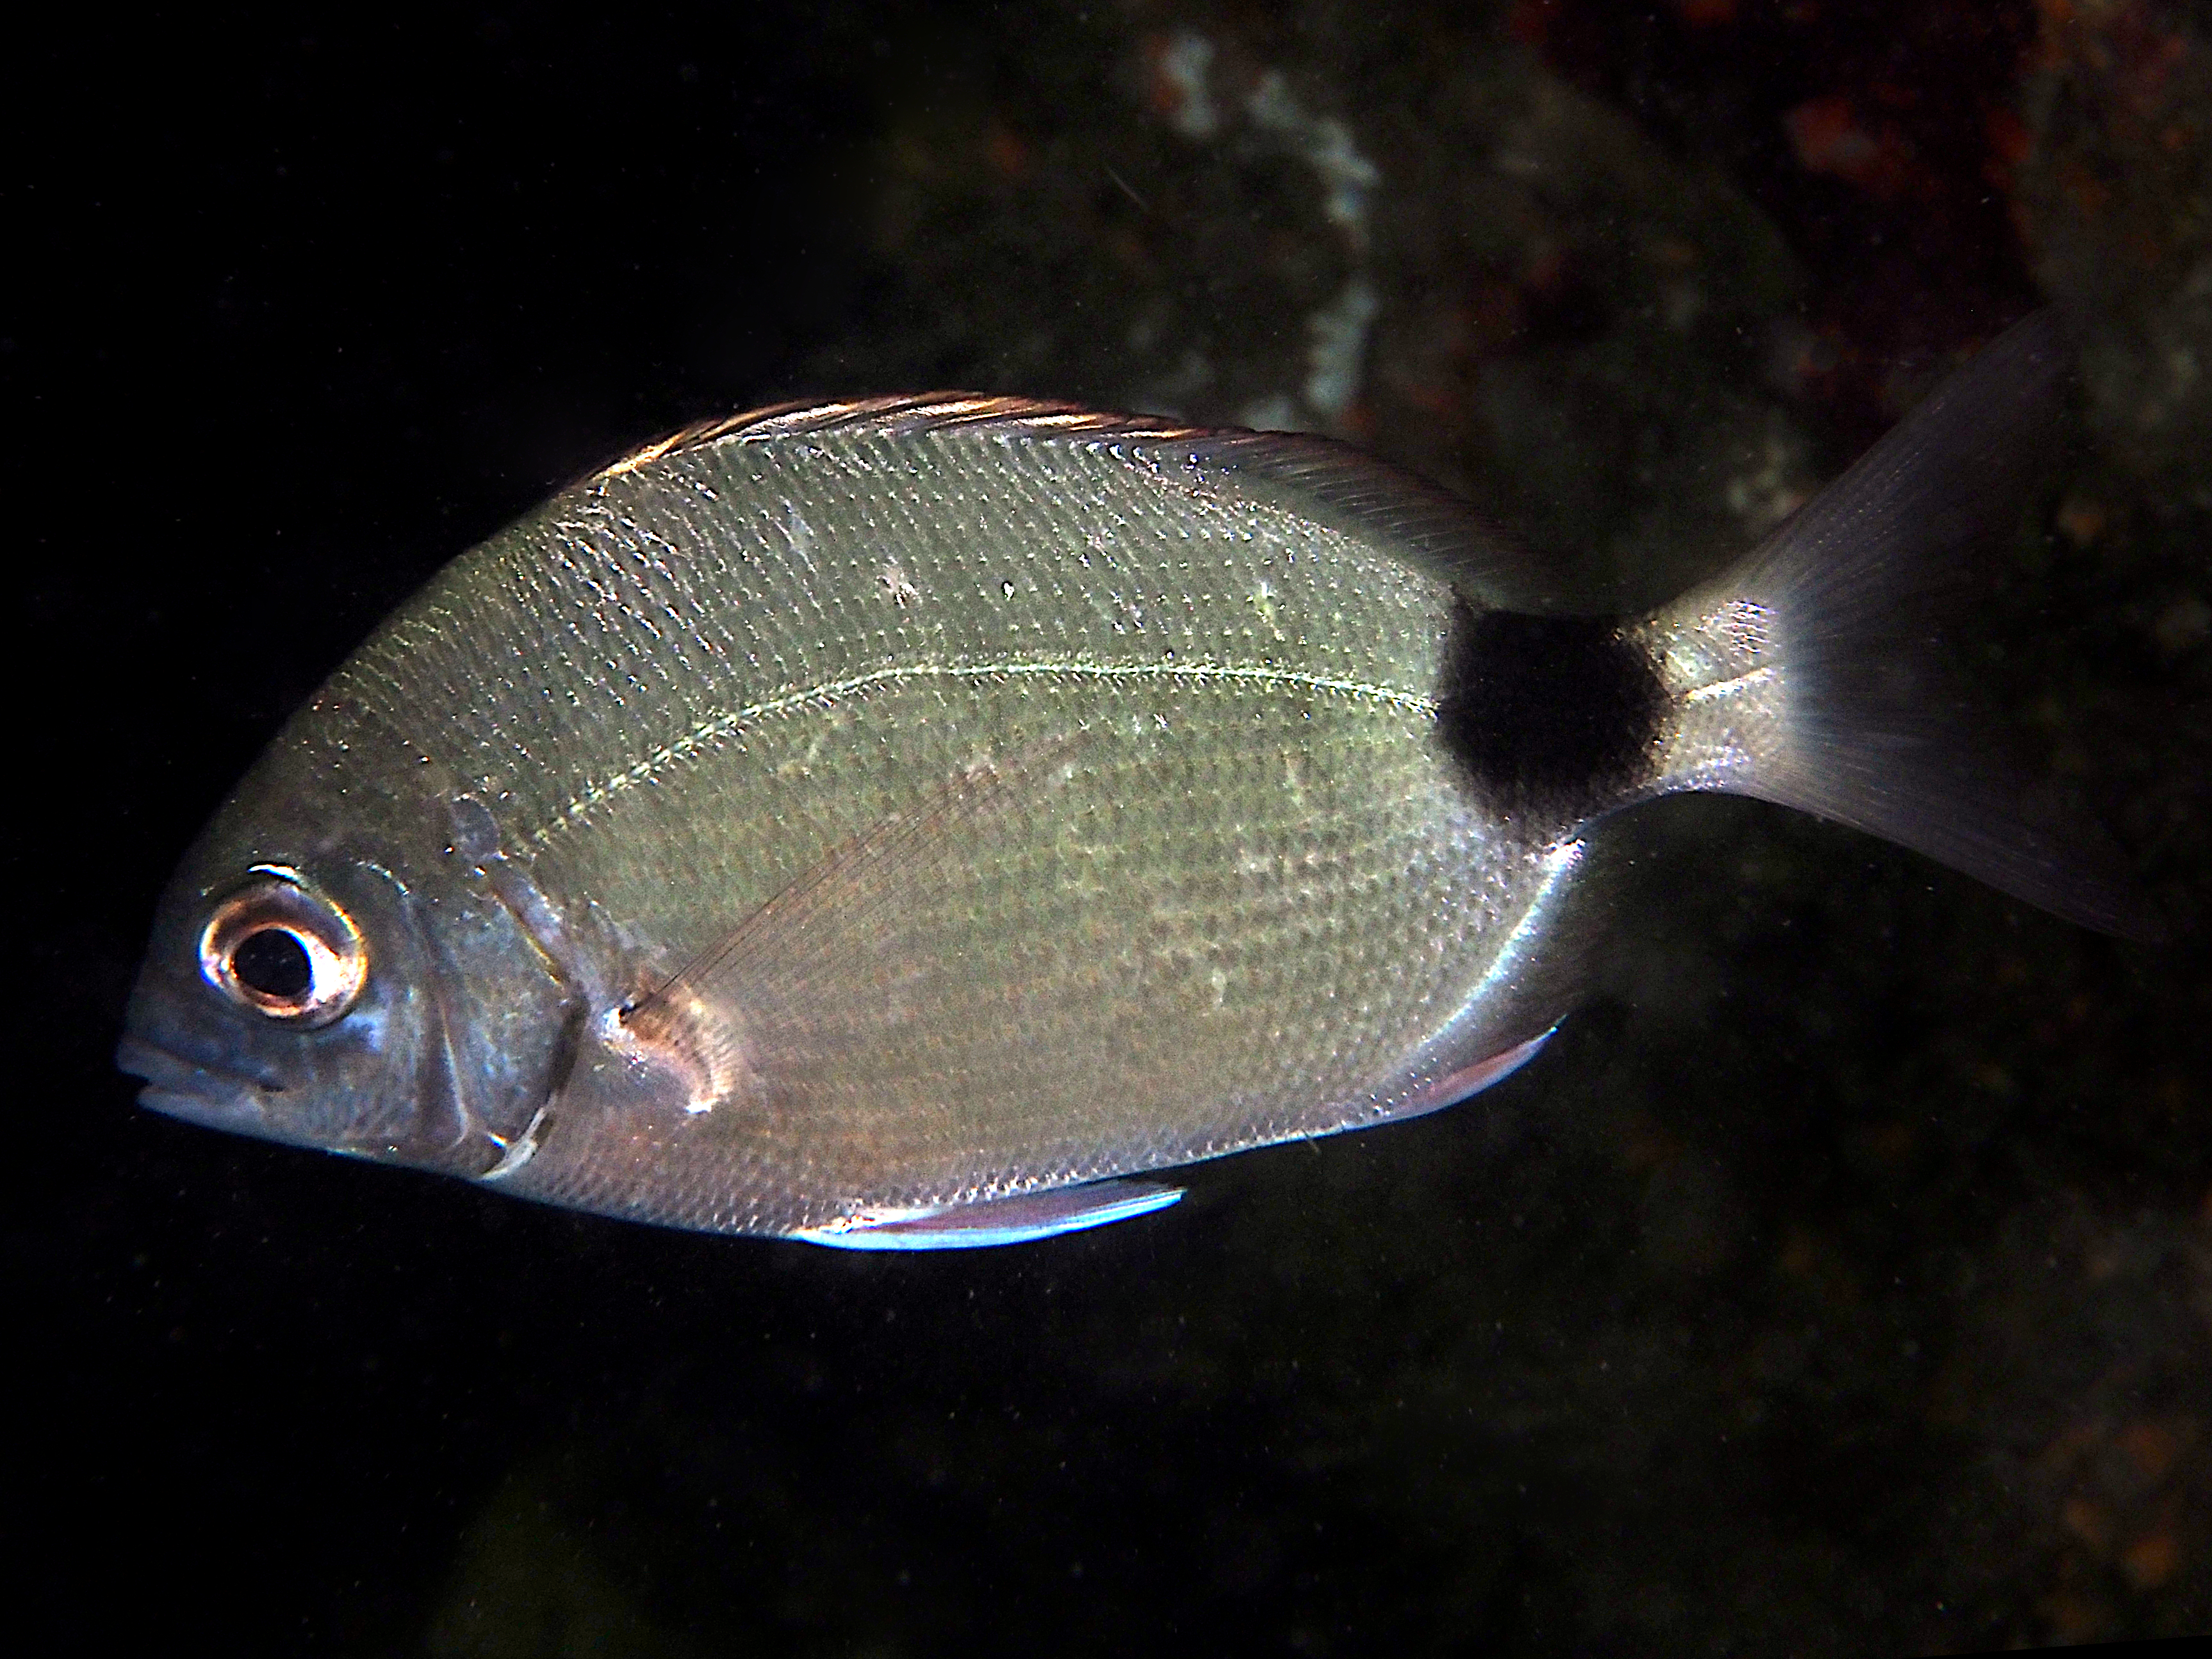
x,y
1814,673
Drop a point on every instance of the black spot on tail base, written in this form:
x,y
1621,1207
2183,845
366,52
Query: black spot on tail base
x,y
1555,716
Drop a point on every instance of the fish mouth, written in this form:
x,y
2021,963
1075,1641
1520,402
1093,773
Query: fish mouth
x,y
193,1089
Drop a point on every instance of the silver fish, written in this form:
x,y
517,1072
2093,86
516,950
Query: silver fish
x,y
897,824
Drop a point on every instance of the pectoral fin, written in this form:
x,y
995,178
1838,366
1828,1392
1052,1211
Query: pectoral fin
x,y
1018,1220
814,984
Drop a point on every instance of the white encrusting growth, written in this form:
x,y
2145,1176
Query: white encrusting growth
x,y
1337,359
1337,333
1183,64
1324,144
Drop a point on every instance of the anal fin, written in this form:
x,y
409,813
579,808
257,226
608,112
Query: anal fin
x,y
1017,1220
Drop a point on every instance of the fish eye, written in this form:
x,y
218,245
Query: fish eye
x,y
284,951
272,961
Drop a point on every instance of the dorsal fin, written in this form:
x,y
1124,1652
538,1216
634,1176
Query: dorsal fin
x,y
1330,481
907,416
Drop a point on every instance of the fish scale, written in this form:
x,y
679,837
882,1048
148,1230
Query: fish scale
x,y
1159,1063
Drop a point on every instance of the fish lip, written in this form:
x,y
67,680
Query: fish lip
x,y
178,1087
192,1109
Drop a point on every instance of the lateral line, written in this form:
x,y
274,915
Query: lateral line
x,y
722,725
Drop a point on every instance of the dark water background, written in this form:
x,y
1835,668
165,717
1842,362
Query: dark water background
x,y
1840,1281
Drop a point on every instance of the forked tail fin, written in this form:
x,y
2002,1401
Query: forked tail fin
x,y
1813,674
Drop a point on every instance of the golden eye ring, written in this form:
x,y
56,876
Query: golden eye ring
x,y
284,951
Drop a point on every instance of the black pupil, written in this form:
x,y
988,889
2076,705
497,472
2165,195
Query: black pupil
x,y
273,963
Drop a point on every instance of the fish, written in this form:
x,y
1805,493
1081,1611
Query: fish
x,y
912,823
